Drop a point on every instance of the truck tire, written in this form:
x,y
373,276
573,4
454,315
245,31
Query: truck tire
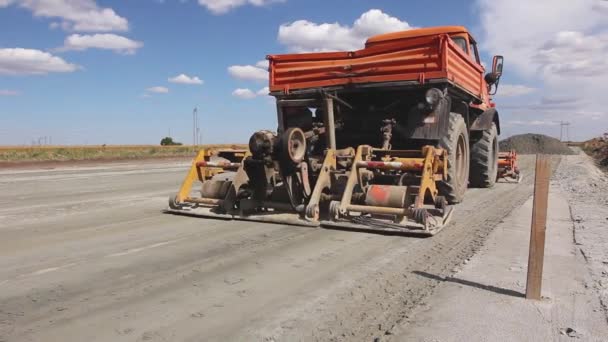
x,y
484,159
456,142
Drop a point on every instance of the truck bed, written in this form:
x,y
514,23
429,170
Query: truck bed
x,y
419,60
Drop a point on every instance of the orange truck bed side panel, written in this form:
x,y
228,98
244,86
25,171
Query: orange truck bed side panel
x,y
391,58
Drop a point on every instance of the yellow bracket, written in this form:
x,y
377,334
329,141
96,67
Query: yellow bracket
x,y
204,173
427,180
323,181
435,164
353,178
184,190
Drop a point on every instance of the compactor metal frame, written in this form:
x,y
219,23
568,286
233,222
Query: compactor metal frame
x,y
342,196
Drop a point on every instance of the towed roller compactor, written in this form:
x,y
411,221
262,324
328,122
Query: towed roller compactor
x,y
367,188
385,138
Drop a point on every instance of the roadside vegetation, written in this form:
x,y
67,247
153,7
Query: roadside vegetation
x,y
168,141
598,149
11,154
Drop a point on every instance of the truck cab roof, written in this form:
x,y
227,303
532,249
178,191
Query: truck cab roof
x,y
414,33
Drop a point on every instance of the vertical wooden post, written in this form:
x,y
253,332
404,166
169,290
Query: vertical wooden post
x,y
539,225
330,128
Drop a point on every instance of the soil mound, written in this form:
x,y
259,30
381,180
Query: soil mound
x,y
598,149
534,143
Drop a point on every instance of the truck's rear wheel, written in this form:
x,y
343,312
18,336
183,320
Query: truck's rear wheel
x,y
484,159
456,142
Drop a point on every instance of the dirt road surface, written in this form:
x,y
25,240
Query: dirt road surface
x,y
87,255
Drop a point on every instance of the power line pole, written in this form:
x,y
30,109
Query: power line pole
x,y
564,128
200,133
194,119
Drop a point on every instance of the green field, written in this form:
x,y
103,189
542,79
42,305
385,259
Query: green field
x,y
10,154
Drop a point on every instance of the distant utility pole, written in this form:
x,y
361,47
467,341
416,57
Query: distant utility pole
x,y
564,128
198,129
194,125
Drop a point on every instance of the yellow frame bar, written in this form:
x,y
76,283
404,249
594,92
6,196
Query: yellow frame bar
x,y
184,190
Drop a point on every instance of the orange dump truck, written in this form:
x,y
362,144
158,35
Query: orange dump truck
x,y
383,138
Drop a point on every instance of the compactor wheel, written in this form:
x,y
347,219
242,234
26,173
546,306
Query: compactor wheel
x,y
173,203
294,144
420,216
334,210
440,202
484,159
312,212
456,143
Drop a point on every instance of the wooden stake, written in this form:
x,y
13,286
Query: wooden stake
x,y
539,225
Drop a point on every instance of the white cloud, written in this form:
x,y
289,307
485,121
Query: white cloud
x,y
158,90
75,15
375,22
513,27
601,6
18,61
8,92
247,94
248,72
573,54
303,35
224,6
531,123
185,79
106,41
562,51
548,104
244,93
262,64
512,90
263,92
562,100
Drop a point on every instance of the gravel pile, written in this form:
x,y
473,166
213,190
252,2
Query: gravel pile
x,y
534,143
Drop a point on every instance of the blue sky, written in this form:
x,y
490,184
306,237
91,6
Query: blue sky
x,y
93,72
